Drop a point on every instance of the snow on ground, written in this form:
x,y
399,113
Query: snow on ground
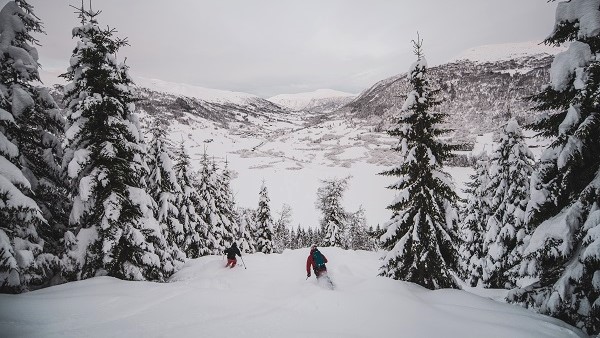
x,y
271,298
293,156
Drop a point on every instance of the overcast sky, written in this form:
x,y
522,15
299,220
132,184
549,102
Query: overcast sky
x,y
269,47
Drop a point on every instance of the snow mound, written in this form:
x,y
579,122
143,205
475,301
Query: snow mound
x,y
506,51
271,298
205,94
300,101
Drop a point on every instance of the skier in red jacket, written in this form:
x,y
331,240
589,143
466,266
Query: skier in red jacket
x,y
317,260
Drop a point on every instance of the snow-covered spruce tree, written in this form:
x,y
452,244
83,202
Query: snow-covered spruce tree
x,y
225,205
115,232
329,202
507,191
357,230
165,189
206,185
40,132
22,263
245,222
475,216
281,232
264,223
563,254
195,231
421,234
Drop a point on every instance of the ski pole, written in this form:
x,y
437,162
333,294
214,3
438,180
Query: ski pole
x,y
243,262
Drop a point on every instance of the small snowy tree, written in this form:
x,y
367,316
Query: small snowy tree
x,y
281,236
264,223
164,189
420,236
476,214
329,202
195,231
112,215
245,221
509,172
22,263
358,237
563,255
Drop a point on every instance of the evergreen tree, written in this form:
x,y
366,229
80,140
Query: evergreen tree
x,y
476,214
264,223
194,230
164,189
22,263
225,205
420,236
112,213
359,239
293,239
40,132
281,236
508,193
563,254
333,222
206,185
245,221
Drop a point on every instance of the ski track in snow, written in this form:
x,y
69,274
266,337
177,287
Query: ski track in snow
x,y
271,298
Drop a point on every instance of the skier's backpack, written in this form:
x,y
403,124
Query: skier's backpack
x,y
318,259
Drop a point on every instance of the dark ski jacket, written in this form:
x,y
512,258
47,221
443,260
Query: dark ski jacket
x,y
232,251
310,262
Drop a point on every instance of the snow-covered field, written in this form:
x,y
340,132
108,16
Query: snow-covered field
x,y
292,157
271,298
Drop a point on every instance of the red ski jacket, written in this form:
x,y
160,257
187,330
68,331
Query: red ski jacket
x,y
310,262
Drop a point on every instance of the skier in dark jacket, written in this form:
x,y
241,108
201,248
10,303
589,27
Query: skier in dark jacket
x,y
231,252
317,261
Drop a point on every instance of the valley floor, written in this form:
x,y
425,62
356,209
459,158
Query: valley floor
x,y
271,298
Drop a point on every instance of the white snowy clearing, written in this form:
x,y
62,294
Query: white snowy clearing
x,y
271,298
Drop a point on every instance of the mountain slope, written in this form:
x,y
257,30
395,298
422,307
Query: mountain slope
x,y
479,90
271,298
159,97
319,101
204,94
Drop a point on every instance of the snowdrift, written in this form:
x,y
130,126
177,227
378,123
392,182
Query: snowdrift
x,y
271,298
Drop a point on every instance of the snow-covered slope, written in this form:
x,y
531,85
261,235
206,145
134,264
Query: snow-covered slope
x,y
205,94
506,51
320,100
271,298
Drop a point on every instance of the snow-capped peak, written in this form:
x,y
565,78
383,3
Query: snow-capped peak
x,y
506,51
205,94
300,101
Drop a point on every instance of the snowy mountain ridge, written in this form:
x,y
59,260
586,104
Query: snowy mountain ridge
x,y
312,100
506,51
202,93
478,96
